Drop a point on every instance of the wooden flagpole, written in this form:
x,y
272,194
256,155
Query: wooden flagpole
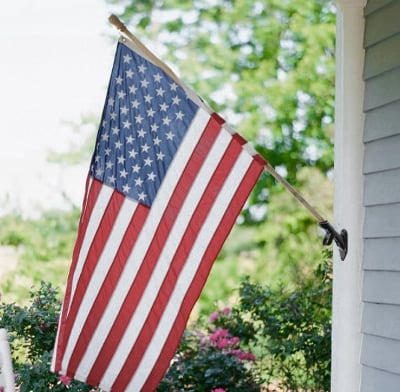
x,y
331,234
294,192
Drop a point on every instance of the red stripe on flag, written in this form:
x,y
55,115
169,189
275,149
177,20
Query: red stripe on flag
x,y
96,247
90,199
138,285
107,287
192,295
196,222
218,118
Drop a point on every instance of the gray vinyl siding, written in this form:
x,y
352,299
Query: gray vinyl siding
x,y
382,187
380,354
383,88
374,248
383,22
382,122
374,5
373,379
382,320
382,154
382,57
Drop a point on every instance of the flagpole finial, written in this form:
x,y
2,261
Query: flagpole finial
x,y
114,20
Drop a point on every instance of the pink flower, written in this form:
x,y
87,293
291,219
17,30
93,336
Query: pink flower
x,y
222,343
214,316
65,380
226,310
218,390
250,357
219,334
234,341
243,356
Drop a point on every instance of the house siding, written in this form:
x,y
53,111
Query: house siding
x,y
373,379
380,353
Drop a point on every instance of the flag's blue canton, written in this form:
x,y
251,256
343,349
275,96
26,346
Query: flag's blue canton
x,y
145,117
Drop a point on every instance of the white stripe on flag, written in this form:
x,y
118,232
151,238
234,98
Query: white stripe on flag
x,y
95,218
174,237
150,226
96,280
186,277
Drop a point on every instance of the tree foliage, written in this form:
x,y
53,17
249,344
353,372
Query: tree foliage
x,y
268,66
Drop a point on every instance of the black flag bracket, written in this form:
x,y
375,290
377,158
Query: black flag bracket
x,y
331,234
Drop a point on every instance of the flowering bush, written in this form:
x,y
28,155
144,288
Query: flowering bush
x,y
289,331
211,361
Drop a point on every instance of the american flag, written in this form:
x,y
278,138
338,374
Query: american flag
x,y
166,183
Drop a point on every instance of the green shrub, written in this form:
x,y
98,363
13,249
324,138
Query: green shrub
x,y
271,335
293,330
32,330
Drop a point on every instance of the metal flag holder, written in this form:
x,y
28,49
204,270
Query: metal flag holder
x,y
330,233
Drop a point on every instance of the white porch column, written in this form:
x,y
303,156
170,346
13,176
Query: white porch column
x,y
349,212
